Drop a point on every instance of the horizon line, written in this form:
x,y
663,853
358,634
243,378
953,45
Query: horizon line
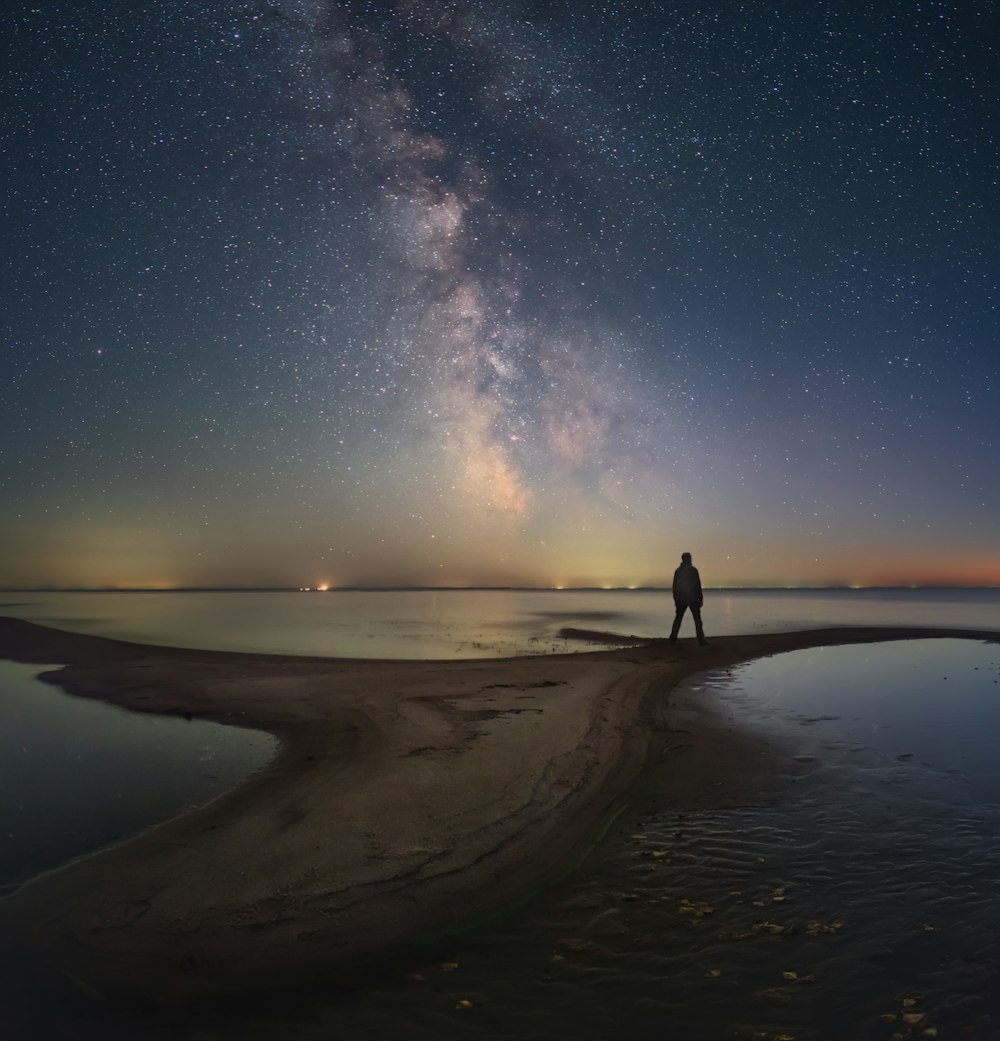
x,y
833,587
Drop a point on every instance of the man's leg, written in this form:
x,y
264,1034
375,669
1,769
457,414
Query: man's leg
x,y
677,622
699,631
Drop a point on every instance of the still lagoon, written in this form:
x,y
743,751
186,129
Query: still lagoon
x,y
79,775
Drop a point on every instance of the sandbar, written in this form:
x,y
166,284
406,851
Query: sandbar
x,y
407,798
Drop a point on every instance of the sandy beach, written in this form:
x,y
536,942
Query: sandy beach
x,y
407,798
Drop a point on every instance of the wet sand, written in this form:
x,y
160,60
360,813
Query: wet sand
x,y
408,797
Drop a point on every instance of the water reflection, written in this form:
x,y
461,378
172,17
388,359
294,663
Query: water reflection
x,y
472,623
77,775
936,702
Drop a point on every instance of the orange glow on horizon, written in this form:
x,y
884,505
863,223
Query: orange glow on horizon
x,y
159,585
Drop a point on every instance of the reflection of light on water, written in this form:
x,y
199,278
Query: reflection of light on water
x,y
140,768
439,624
933,699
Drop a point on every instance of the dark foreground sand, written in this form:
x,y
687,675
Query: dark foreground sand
x,y
409,796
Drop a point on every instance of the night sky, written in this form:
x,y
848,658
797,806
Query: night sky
x,y
499,293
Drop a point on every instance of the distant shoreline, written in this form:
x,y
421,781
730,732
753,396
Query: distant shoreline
x,y
503,589
408,796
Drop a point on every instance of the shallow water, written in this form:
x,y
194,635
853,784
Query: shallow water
x,y
861,881
79,775
475,623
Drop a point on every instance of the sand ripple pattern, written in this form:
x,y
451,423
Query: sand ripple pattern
x,y
864,908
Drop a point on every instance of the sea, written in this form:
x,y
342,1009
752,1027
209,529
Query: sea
x,y
476,623
854,893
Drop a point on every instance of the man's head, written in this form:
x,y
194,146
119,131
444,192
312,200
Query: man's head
x,y
685,558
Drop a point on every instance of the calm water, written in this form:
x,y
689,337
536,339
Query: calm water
x,y
78,775
862,880
474,623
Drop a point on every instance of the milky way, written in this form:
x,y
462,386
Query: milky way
x,y
390,293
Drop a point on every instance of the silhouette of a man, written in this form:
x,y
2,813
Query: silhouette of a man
x,y
687,594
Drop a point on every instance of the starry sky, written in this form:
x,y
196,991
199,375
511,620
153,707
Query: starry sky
x,y
404,292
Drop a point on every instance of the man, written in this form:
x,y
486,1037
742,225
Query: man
x,y
687,593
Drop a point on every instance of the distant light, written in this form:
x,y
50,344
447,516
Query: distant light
x,y
322,589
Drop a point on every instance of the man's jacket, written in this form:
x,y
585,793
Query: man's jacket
x,y
687,585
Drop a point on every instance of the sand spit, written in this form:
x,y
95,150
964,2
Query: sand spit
x,y
407,796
